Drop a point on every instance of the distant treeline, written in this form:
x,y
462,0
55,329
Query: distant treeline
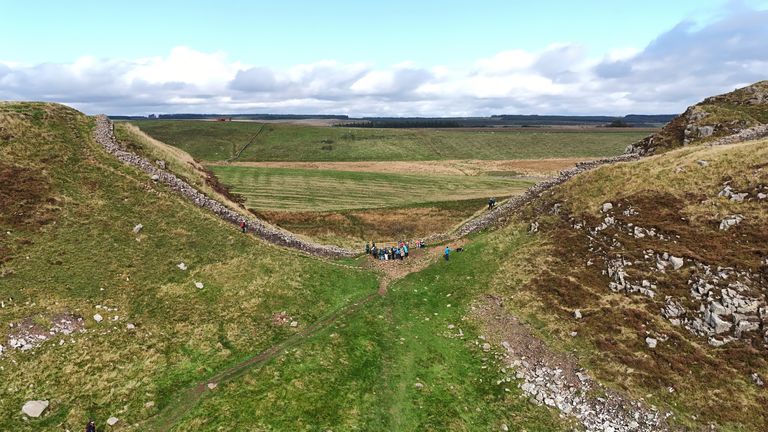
x,y
503,120
632,120
401,123
231,116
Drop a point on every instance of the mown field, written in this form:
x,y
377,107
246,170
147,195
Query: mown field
x,y
215,141
327,190
69,248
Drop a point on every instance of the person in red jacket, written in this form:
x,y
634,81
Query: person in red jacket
x,y
243,226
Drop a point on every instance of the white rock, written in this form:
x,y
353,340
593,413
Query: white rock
x,y
606,207
199,285
294,323
137,228
702,162
418,386
577,314
97,318
762,196
182,266
676,262
155,177
149,404
212,385
486,346
34,408
130,326
504,427
112,421
651,342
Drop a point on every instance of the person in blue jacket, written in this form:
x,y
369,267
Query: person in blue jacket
x,y
447,252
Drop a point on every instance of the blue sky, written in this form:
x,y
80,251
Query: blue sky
x,y
361,58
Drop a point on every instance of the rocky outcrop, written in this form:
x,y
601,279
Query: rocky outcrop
x,y
104,135
730,118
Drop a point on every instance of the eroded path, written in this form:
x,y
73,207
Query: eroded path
x,y
389,272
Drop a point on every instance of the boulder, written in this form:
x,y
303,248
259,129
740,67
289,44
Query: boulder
x,y
730,221
212,385
486,347
112,421
34,408
418,386
155,177
98,318
181,266
651,342
676,262
294,323
577,314
606,207
137,228
199,285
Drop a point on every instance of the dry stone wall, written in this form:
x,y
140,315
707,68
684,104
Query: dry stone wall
x,y
104,135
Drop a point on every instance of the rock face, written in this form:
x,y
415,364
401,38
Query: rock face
x,y
34,408
741,116
104,135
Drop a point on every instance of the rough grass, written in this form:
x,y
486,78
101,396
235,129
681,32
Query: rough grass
x,y
216,141
360,374
353,228
87,257
545,281
326,190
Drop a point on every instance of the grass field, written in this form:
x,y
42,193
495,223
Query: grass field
x,y
326,190
215,141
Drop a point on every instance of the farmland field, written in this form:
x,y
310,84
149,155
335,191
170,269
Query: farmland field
x,y
215,141
346,186
325,190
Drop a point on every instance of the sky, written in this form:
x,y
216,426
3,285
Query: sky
x,y
394,58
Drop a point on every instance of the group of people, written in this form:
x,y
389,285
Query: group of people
x,y
385,253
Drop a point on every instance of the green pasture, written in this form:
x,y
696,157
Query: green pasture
x,y
325,190
216,141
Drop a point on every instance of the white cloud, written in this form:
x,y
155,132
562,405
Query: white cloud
x,y
680,67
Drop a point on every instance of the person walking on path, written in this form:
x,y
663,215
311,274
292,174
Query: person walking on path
x,y
243,226
367,248
447,253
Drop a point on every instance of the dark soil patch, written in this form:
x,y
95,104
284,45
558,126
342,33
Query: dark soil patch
x,y
23,195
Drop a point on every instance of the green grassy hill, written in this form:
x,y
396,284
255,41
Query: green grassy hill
x,y
68,253
215,141
433,353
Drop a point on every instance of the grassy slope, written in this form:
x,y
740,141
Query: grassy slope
x,y
361,373
353,228
324,190
67,246
547,279
219,141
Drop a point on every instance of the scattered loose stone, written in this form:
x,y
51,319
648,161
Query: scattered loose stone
x,y
130,326
98,318
651,342
757,380
137,228
199,285
606,207
577,314
486,347
155,177
730,221
112,421
181,266
34,408
294,323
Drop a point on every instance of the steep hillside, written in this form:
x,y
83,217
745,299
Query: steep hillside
x,y
116,294
653,275
743,110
